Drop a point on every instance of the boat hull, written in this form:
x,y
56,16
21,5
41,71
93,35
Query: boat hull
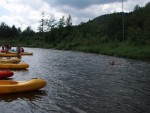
x,y
22,53
5,74
14,66
11,86
8,55
26,53
14,60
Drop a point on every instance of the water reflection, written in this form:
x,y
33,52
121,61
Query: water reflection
x,y
29,96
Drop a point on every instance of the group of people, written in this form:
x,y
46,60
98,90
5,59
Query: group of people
x,y
19,49
8,47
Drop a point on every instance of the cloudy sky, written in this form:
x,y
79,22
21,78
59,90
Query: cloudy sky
x,y
23,13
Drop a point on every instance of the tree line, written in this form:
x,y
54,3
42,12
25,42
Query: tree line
x,y
48,22
45,25
103,29
106,29
7,32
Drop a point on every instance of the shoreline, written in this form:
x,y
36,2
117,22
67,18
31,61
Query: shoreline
x,y
121,50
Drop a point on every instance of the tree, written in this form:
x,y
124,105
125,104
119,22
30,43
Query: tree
x,y
137,7
5,30
50,22
69,21
19,30
28,32
42,22
61,23
14,31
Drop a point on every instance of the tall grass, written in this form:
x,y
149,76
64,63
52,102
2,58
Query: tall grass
x,y
88,45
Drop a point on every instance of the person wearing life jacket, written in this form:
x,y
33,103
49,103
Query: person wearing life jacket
x,y
18,50
6,48
3,47
9,47
22,50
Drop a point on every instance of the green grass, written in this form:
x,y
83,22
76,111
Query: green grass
x,y
94,46
121,50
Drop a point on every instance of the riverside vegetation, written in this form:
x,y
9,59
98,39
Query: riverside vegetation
x,y
103,34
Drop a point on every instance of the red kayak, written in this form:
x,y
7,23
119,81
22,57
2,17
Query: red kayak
x,y
3,51
4,74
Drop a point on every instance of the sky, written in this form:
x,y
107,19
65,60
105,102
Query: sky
x,y
24,13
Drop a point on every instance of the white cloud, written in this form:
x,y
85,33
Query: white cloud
x,y
23,13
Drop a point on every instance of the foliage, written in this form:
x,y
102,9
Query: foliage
x,y
28,32
42,22
61,22
8,32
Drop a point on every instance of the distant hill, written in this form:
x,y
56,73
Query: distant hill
x,y
136,25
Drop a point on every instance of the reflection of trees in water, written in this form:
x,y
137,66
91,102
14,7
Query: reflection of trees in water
x,y
29,96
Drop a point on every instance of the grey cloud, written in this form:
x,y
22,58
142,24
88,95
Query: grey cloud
x,y
80,4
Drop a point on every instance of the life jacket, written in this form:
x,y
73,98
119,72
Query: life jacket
x,y
22,50
3,47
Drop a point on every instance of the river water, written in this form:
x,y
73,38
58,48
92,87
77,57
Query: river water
x,y
81,83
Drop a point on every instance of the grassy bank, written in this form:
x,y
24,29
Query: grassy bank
x,y
127,51
113,49
121,50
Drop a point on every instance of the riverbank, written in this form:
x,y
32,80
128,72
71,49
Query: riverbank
x,y
126,51
119,50
141,52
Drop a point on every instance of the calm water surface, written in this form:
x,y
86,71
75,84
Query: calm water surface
x,y
81,83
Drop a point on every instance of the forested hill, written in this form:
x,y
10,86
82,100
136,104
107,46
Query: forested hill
x,y
110,27
103,34
106,29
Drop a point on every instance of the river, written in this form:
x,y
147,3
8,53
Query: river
x,y
80,82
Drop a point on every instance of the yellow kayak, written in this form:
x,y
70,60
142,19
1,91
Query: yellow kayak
x,y
11,86
22,53
26,53
14,60
8,55
13,66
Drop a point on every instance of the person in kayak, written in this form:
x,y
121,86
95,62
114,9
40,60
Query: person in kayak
x,y
22,50
18,50
7,46
3,47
